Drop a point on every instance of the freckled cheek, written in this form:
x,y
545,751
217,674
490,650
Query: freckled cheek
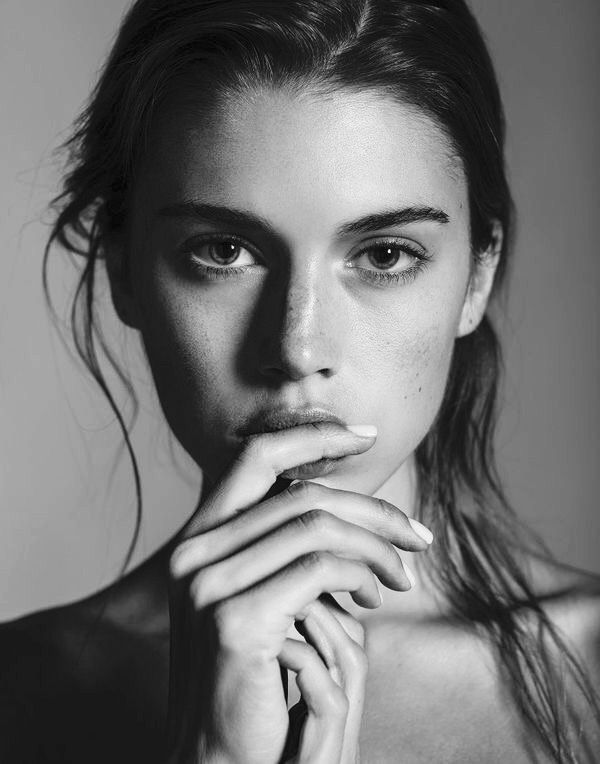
x,y
407,377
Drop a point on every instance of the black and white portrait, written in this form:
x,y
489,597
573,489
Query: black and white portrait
x,y
299,366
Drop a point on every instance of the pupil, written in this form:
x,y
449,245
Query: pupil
x,y
225,252
384,258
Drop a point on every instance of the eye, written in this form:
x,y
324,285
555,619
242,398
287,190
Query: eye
x,y
222,252
390,261
385,257
213,257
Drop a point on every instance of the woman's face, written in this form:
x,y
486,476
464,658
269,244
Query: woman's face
x,y
300,251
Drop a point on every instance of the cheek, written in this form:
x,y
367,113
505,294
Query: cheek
x,y
191,349
190,337
407,374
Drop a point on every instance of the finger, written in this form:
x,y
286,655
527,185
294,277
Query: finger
x,y
336,635
258,619
376,515
290,590
344,656
352,626
264,457
321,738
346,660
314,531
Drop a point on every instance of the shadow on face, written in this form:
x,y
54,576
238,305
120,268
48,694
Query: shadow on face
x,y
301,249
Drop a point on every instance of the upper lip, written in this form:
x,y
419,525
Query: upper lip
x,y
269,420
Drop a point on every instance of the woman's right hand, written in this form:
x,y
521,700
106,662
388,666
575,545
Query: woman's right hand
x,y
247,570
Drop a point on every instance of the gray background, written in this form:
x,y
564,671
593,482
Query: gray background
x,y
67,511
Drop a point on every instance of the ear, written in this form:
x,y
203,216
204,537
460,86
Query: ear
x,y
120,283
480,284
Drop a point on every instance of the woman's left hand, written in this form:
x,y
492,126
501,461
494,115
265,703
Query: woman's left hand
x,y
333,657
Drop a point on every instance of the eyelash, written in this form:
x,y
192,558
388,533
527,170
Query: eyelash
x,y
378,277
393,277
208,271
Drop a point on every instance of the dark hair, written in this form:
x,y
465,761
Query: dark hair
x,y
427,54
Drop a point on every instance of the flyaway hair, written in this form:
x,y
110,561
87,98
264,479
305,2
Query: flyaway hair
x,y
430,55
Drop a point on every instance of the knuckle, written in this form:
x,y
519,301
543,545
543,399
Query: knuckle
x,y
387,510
315,521
309,609
335,701
391,513
303,490
309,561
316,561
357,659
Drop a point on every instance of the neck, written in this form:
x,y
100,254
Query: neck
x,y
401,490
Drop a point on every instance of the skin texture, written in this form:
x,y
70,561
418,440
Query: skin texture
x,y
300,327
259,567
307,320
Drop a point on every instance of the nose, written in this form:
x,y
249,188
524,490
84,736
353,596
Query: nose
x,y
304,329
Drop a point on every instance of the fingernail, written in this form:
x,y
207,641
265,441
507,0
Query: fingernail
x,y
363,430
421,530
410,575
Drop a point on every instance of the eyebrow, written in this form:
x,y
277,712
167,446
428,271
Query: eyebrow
x,y
243,218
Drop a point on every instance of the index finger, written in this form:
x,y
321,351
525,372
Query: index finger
x,y
268,456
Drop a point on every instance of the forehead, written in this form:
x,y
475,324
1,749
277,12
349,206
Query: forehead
x,y
302,156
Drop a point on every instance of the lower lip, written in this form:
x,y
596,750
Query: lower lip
x,y
312,469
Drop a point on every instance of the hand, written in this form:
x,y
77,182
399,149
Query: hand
x,y
248,569
339,640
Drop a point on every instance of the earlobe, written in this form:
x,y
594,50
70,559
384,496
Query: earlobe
x,y
120,285
480,284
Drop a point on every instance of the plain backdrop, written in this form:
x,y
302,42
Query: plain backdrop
x,y
66,506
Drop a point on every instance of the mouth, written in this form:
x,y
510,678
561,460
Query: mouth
x,y
273,420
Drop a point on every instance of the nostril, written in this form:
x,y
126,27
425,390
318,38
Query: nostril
x,y
293,371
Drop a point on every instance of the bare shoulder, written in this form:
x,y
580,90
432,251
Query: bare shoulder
x,y
446,669
74,682
31,645
34,683
571,598
45,643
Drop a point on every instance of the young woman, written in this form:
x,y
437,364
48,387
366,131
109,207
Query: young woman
x,y
303,211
